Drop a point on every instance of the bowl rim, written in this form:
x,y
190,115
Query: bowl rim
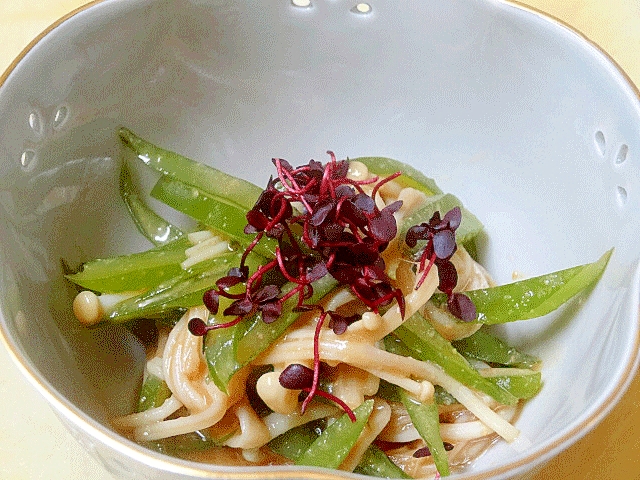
x,y
155,460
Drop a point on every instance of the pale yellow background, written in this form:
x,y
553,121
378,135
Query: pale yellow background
x,y
34,445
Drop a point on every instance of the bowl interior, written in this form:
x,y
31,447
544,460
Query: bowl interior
x,y
530,125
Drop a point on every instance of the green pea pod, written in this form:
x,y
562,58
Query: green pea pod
x,y
425,343
465,233
155,228
153,393
220,215
182,291
410,177
522,383
485,347
180,445
220,350
426,418
208,179
534,297
229,350
293,443
133,272
334,444
375,463
442,397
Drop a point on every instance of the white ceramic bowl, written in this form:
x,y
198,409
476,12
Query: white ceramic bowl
x,y
531,125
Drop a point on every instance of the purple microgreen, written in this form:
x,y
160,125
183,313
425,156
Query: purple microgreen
x,y
211,300
364,203
340,323
296,377
268,292
227,282
197,327
316,272
335,228
462,307
271,311
448,276
439,234
383,226
444,244
241,307
453,218
321,213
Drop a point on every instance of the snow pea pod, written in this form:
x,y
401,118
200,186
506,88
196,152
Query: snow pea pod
x,y
383,167
334,444
485,347
220,350
153,393
208,179
197,441
182,291
522,383
155,228
218,214
425,343
375,463
133,272
533,297
426,418
293,443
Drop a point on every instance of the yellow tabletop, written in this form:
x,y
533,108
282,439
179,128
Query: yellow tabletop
x,y
33,443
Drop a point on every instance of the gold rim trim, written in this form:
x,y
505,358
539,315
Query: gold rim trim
x,y
43,34
561,23
147,457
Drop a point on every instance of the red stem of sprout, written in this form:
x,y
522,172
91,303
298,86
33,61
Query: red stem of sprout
x,y
333,398
382,182
316,361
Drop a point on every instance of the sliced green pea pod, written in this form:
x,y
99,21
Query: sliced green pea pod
x,y
426,418
375,463
153,393
293,443
180,445
442,397
334,444
533,297
220,349
182,291
133,272
208,179
155,228
383,167
485,347
218,214
425,343
521,383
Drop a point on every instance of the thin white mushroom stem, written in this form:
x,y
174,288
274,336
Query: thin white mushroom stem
x,y
90,308
368,357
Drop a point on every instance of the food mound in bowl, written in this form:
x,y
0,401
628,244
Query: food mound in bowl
x,y
336,318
